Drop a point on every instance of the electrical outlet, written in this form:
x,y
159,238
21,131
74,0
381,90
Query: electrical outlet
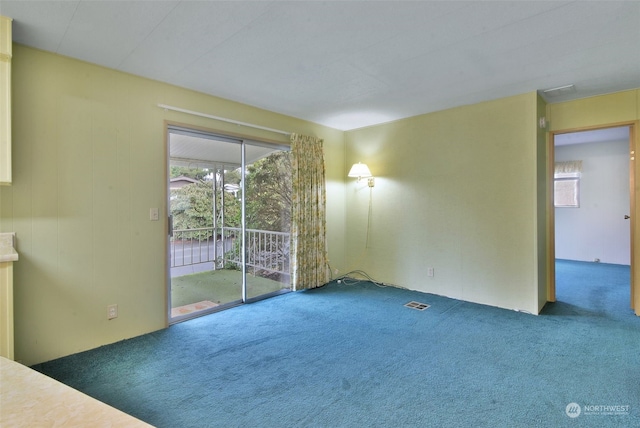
x,y
336,271
112,312
154,214
430,272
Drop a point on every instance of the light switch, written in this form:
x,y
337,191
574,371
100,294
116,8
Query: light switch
x,y
154,214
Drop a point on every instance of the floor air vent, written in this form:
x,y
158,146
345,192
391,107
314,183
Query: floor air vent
x,y
417,305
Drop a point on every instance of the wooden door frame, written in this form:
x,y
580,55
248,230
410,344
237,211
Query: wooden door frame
x,y
633,200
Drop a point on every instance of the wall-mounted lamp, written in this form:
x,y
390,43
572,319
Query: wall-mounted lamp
x,y
361,171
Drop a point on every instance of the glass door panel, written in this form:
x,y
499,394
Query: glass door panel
x,y
230,215
204,175
267,221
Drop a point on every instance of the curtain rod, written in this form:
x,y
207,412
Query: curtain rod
x,y
223,119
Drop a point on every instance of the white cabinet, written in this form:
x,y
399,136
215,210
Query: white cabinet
x,y
8,255
5,100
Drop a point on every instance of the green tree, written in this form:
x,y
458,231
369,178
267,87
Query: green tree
x,y
232,202
268,203
192,204
191,208
268,187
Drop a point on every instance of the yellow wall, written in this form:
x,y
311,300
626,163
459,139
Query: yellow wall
x,y
543,165
89,162
459,190
602,111
455,190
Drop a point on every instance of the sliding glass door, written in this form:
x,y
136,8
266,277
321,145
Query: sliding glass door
x,y
229,202
267,223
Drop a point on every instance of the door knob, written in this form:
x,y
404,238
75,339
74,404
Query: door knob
x,y
626,217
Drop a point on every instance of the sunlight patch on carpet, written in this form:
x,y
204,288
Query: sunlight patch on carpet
x,y
193,307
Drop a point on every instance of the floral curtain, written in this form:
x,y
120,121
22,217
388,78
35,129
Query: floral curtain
x,y
309,266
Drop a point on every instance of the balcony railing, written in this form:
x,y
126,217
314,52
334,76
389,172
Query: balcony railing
x,y
267,252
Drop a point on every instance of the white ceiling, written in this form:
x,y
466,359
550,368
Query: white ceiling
x,y
348,64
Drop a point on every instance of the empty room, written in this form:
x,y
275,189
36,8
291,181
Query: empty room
x,y
330,214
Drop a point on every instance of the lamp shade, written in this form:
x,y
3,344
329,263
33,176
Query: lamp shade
x,y
359,170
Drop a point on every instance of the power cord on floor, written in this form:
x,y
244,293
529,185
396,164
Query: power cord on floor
x,y
356,276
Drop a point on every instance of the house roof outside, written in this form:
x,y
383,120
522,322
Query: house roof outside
x,y
180,182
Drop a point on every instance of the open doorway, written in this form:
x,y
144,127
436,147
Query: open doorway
x,y
229,202
592,207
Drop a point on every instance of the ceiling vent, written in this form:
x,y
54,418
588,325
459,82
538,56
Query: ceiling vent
x,y
560,90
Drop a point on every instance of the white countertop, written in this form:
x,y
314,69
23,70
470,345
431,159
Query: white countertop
x,y
8,252
31,399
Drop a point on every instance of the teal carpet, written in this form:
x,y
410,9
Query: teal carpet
x,y
354,356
